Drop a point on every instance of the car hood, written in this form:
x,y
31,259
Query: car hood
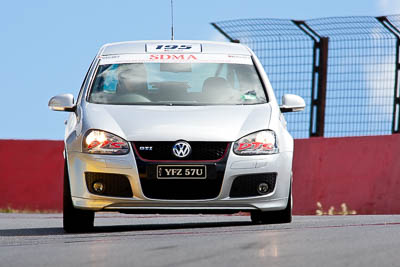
x,y
171,123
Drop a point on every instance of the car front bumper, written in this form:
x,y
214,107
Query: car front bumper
x,y
80,163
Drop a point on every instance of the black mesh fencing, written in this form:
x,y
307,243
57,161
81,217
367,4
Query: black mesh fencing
x,y
345,68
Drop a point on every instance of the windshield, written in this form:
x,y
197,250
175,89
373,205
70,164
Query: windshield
x,y
173,82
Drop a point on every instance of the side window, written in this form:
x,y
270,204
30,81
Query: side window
x,y
111,79
106,80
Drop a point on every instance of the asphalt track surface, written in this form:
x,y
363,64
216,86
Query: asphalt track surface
x,y
200,240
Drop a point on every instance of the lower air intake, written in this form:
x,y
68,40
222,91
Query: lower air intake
x,y
248,185
115,185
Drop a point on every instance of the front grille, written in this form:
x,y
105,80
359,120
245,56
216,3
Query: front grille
x,y
213,155
246,185
115,185
162,151
181,188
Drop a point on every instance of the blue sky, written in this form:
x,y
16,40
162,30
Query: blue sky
x,y
47,46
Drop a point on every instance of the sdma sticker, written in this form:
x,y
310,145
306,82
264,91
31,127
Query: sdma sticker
x,y
176,58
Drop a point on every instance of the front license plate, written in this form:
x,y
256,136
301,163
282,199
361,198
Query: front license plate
x,y
181,171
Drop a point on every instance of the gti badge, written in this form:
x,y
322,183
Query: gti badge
x,y
181,149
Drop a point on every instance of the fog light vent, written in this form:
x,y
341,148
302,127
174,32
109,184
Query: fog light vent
x,y
253,185
108,184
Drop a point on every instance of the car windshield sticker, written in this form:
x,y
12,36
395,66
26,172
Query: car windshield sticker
x,y
176,58
171,48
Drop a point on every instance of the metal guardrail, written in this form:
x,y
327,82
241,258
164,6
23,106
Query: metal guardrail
x,y
346,69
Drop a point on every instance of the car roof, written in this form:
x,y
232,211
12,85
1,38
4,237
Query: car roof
x,y
140,47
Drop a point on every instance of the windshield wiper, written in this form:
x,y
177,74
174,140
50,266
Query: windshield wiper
x,y
177,103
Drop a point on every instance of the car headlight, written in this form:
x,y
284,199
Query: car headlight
x,y
258,143
101,142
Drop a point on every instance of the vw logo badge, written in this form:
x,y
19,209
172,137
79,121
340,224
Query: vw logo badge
x,y
181,149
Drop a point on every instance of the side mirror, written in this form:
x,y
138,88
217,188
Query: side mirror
x,y
292,103
63,102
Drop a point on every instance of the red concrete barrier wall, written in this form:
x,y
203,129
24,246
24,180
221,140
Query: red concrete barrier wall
x,y
362,172
31,174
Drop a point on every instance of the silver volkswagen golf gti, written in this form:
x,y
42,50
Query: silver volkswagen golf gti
x,y
176,127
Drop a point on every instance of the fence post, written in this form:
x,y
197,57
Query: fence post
x,y
318,85
396,101
224,33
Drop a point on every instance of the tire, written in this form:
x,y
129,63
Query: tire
x,y
274,217
74,220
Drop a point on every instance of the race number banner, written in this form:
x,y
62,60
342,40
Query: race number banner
x,y
173,47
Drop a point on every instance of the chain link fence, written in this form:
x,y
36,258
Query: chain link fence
x,y
346,69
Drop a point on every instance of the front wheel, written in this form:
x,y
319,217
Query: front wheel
x,y
74,220
274,217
